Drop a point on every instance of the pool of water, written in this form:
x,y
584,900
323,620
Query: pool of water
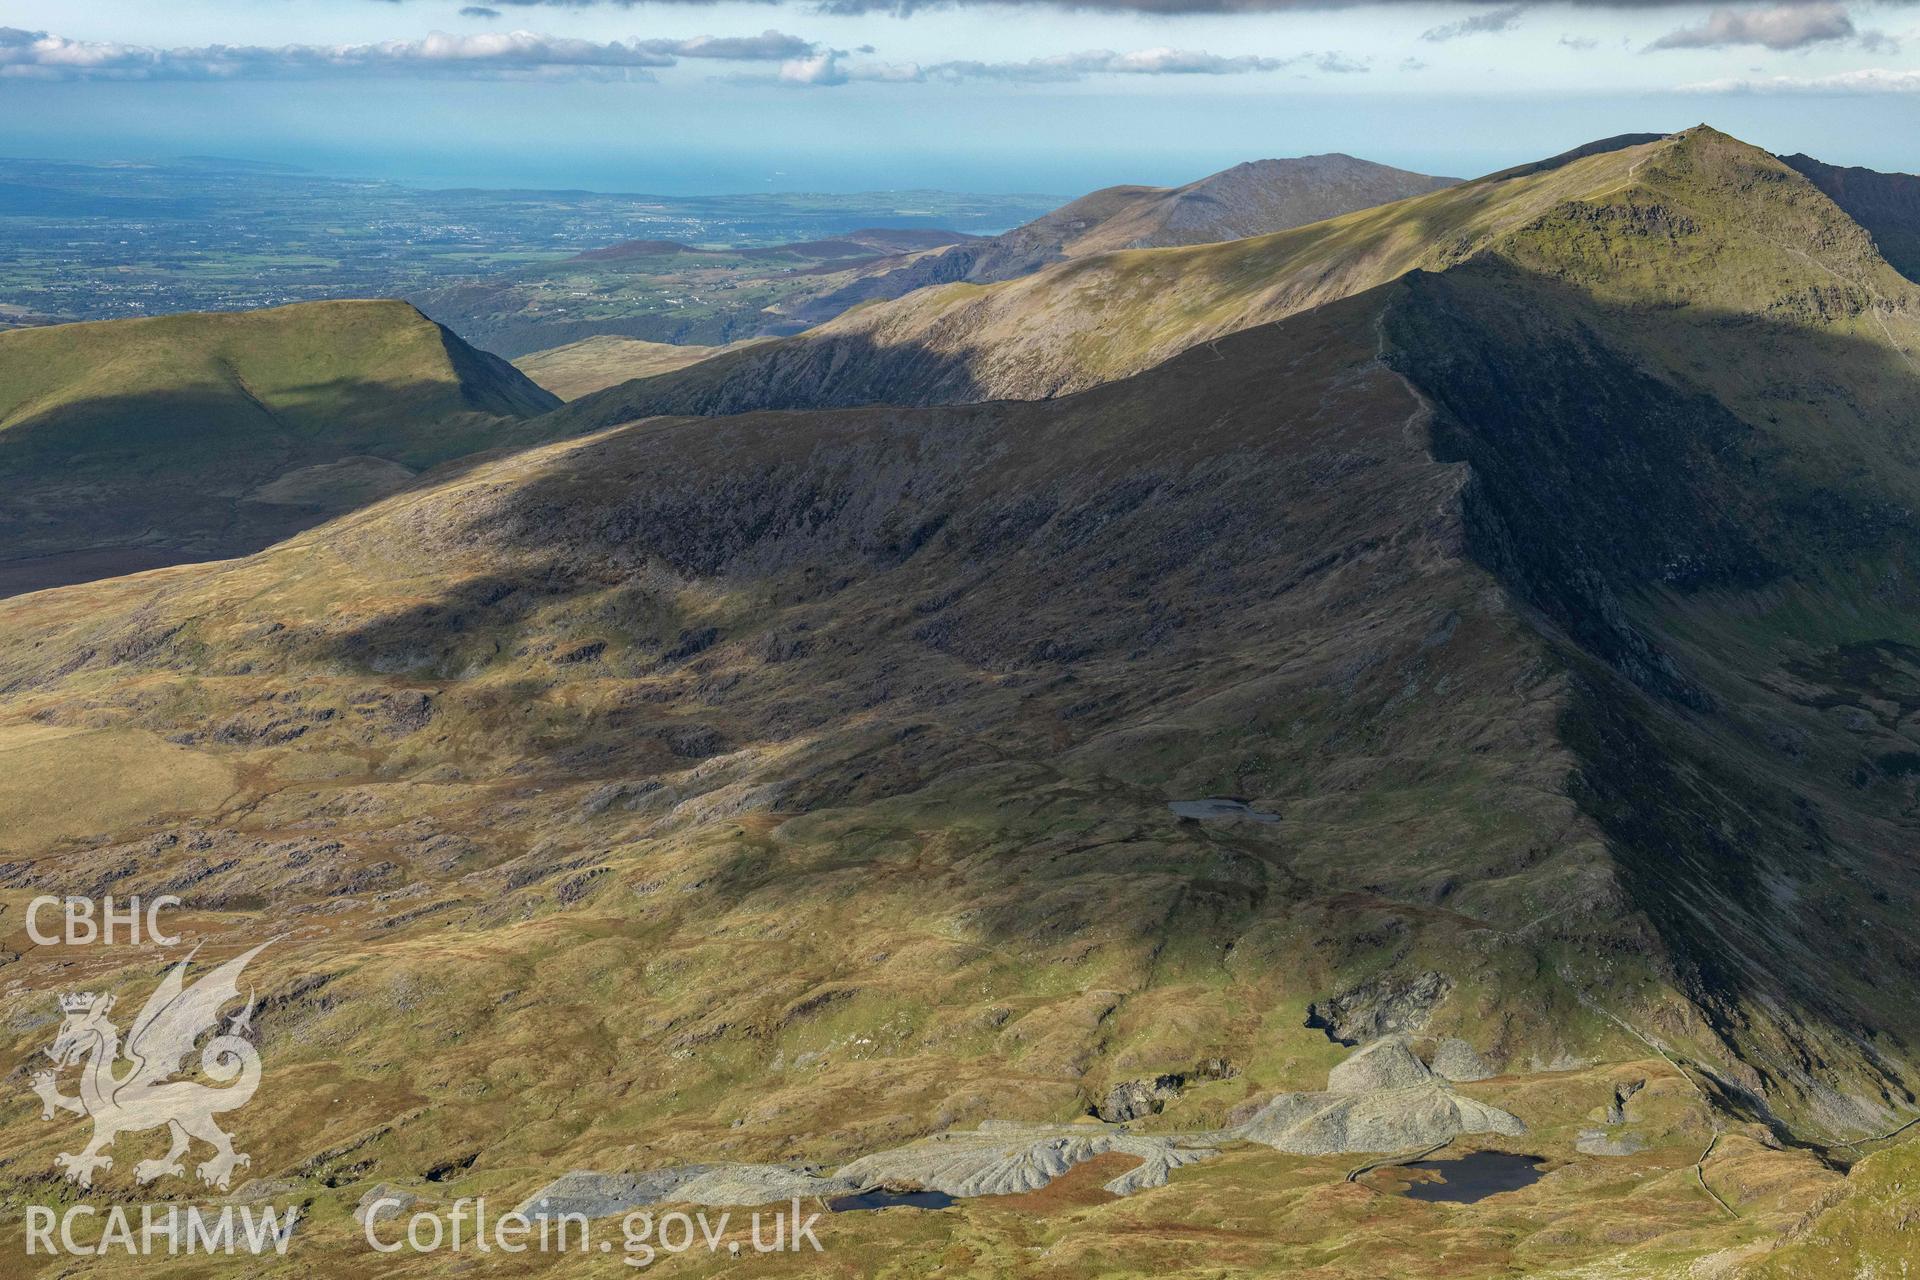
x,y
880,1199
1472,1178
1219,807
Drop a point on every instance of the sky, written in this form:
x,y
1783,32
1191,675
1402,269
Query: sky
x,y
1045,96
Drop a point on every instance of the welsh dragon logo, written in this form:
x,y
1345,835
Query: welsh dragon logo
x,y
144,1095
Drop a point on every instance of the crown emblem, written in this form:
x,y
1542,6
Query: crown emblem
x,y
77,1002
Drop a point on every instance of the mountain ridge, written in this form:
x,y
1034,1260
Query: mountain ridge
x,y
1083,322
1251,198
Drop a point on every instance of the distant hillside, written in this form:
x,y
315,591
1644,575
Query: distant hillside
x,y
214,433
594,364
865,242
633,249
1249,199
907,239
1886,204
1253,199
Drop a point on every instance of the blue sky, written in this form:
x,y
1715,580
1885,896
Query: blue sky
x,y
686,97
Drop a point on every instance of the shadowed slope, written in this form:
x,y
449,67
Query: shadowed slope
x,y
1688,406
218,432
873,718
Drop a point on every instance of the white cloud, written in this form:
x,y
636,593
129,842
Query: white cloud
x,y
1171,62
832,67
820,69
1480,24
768,46
1873,80
1340,64
1154,8
1787,26
39,55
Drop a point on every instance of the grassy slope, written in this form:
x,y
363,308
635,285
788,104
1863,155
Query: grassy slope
x,y
293,363
157,430
594,364
1865,1229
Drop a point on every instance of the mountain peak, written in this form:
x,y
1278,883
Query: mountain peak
x,y
1255,197
1704,220
1706,138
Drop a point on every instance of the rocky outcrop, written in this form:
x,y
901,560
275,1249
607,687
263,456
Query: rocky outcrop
x,y
1389,1004
1615,1139
1383,1098
1458,1061
1622,1095
1319,1124
1385,1064
995,1160
1007,1159
1598,1142
1138,1099
601,1195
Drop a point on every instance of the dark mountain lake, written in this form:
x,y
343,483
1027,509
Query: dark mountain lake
x,y
881,1199
1474,1177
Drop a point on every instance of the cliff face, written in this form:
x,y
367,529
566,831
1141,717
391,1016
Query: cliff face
x,y
1886,204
